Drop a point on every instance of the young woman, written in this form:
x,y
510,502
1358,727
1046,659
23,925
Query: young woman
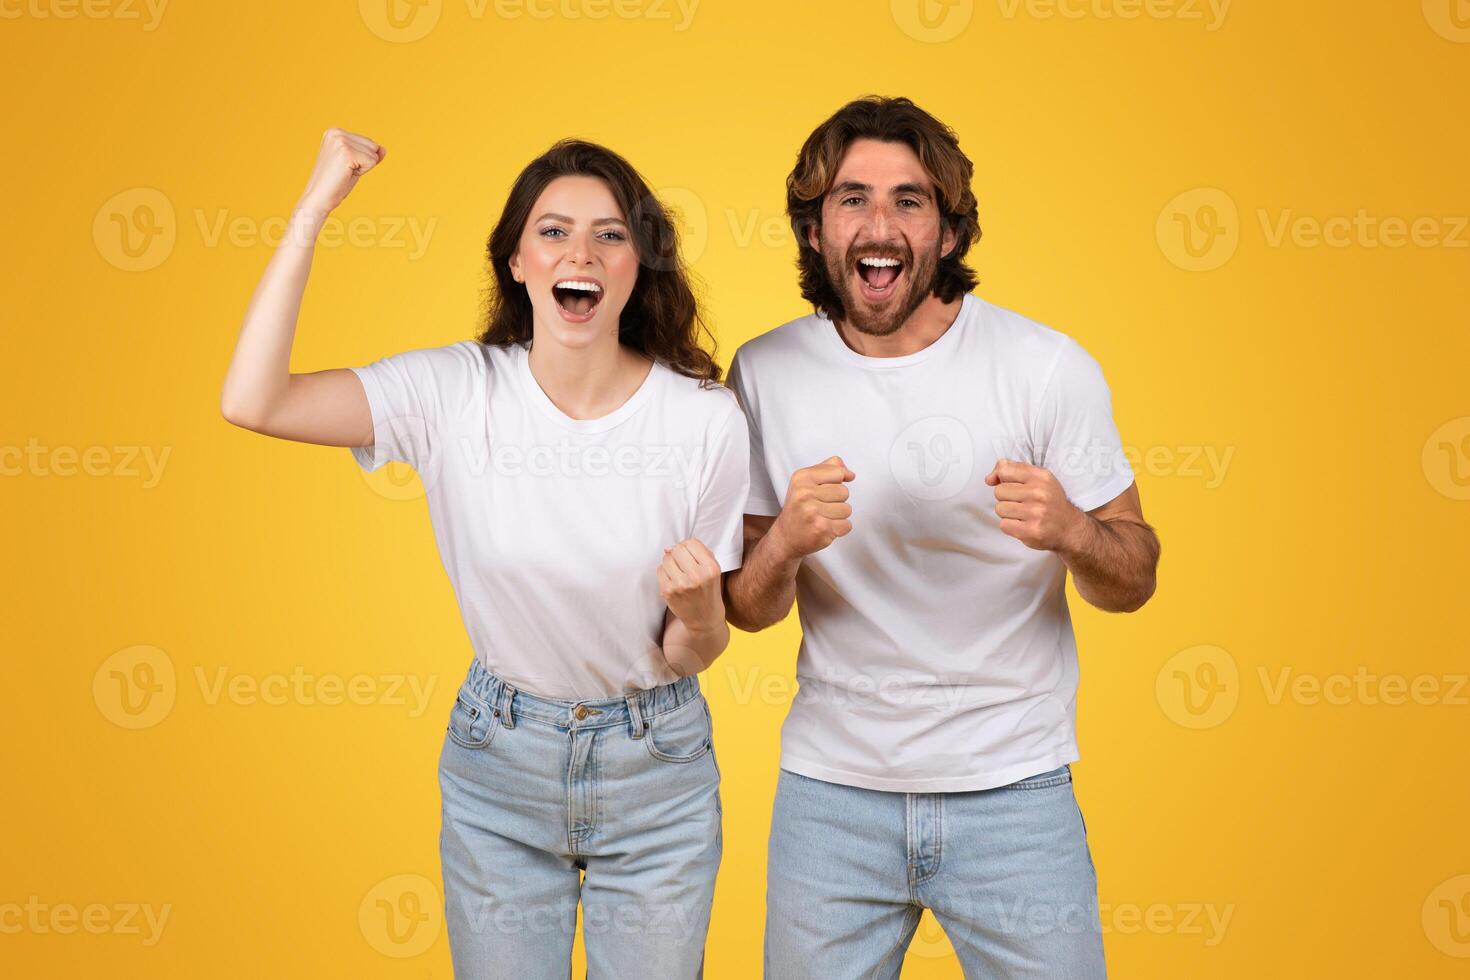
x,y
586,478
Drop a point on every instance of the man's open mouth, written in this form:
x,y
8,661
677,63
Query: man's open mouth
x,y
877,275
577,298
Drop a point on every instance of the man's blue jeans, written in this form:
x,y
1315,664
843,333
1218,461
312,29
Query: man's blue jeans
x,y
1007,873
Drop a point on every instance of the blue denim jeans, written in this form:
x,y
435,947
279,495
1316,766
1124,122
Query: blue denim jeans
x,y
1007,873
613,802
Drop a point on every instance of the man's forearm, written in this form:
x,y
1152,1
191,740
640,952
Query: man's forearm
x,y
761,591
1114,563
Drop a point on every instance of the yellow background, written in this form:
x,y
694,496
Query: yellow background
x,y
1332,545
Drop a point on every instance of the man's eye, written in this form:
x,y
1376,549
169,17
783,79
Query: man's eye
x,y
850,200
909,200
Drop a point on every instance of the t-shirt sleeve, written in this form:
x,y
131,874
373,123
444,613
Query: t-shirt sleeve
x,y
763,501
719,513
1076,438
406,393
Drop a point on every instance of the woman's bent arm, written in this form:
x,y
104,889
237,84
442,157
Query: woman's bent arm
x,y
260,393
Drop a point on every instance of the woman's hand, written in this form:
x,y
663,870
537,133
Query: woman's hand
x,y
689,580
344,157
694,629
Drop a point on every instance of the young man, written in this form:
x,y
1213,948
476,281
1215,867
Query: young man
x,y
926,469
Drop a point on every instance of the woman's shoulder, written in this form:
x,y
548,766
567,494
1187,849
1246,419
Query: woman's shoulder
x,y
705,403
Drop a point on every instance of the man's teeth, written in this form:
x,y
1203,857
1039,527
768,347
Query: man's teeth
x,y
587,287
880,262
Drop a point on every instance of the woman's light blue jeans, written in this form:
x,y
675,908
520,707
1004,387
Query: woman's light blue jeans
x,y
1007,873
612,802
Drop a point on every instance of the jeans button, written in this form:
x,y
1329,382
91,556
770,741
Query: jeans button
x,y
581,712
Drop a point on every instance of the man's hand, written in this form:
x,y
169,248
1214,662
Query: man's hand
x,y
1033,508
816,510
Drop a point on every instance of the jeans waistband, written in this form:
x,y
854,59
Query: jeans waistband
x,y
633,709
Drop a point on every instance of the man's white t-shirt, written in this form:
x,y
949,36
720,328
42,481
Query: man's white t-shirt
x,y
937,651
552,528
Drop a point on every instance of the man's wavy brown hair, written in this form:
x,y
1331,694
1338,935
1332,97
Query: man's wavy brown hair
x,y
890,120
662,318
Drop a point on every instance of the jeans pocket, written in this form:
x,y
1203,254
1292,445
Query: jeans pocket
x,y
1042,780
472,722
681,735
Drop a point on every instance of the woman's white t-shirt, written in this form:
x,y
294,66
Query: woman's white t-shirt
x,y
552,528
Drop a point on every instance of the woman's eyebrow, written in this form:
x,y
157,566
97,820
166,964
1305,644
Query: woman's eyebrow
x,y
552,216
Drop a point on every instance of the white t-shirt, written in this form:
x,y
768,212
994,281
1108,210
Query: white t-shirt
x,y
552,528
937,651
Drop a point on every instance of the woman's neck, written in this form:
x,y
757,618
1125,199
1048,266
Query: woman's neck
x,y
587,382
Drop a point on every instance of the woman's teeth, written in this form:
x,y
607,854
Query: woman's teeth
x,y
576,296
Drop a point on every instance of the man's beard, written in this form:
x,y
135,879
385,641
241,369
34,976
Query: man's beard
x,y
919,273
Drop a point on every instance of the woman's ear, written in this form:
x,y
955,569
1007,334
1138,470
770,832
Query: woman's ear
x,y
515,266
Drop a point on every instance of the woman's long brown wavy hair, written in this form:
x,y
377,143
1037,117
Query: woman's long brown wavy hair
x,y
895,120
662,318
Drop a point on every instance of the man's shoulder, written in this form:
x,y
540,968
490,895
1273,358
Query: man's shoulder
x,y
789,338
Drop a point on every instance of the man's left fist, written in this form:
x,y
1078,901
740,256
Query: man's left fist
x,y
1032,506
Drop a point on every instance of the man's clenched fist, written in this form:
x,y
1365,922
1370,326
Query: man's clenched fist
x,y
816,510
1032,506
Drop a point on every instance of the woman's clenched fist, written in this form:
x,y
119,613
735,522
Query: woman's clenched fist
x,y
344,157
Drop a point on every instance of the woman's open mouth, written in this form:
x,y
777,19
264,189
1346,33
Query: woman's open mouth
x,y
577,298
877,276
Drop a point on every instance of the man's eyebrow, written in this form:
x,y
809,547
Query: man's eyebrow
x,y
553,216
916,190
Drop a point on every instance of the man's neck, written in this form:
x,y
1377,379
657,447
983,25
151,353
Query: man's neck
x,y
925,325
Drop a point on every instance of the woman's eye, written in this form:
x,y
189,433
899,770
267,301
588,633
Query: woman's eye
x,y
614,236
551,232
